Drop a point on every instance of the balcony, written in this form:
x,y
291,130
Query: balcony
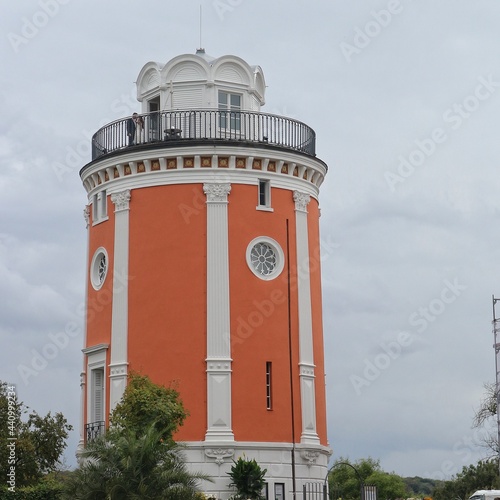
x,y
93,430
179,128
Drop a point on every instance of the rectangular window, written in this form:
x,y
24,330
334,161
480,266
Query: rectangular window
x,y
95,391
269,395
264,193
97,401
230,107
95,209
279,491
99,207
96,424
153,119
103,204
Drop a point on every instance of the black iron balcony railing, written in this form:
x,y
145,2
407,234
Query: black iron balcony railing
x,y
218,125
93,430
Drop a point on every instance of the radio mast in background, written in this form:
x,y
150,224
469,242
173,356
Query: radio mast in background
x,y
496,345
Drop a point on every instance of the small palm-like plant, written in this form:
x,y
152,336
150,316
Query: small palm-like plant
x,y
123,465
248,479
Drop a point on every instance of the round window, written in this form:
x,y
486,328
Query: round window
x,y
265,258
99,268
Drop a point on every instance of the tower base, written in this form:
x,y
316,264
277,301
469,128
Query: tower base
x,y
216,458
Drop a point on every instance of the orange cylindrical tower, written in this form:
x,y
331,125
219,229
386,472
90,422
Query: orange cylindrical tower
x,y
204,270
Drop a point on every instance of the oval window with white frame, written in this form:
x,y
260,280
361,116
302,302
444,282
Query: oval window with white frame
x,y
265,258
99,268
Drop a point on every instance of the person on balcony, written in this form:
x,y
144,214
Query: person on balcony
x,y
139,129
131,129
135,129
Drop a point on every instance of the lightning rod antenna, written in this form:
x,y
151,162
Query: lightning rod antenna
x,y
201,46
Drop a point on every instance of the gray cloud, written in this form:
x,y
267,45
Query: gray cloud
x,y
396,249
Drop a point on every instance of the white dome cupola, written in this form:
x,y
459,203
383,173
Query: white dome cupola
x,y
198,81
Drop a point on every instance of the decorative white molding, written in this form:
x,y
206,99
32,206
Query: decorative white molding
x,y
216,193
223,365
273,456
118,370
95,348
219,454
121,200
301,201
307,370
310,456
281,174
86,215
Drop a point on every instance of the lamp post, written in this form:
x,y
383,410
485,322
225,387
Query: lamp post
x,y
325,489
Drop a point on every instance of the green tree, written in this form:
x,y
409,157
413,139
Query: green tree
x,y
345,480
33,445
144,402
421,487
389,485
124,464
248,479
137,458
483,475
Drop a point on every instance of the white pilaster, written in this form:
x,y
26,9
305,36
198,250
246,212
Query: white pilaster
x,y
119,323
306,356
81,442
218,327
83,374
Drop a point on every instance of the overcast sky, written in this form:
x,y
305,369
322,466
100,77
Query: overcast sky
x,y
404,96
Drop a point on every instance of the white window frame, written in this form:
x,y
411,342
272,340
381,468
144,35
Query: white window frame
x,y
153,120
269,385
99,207
96,360
95,271
280,257
97,377
279,491
231,108
264,195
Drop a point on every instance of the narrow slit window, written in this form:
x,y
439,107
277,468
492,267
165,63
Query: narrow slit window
x,y
264,193
269,392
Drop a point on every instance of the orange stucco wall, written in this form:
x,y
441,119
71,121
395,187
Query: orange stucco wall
x,y
167,296
167,306
259,322
99,302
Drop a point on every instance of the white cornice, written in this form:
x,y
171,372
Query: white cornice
x,y
286,155
191,177
95,348
313,169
